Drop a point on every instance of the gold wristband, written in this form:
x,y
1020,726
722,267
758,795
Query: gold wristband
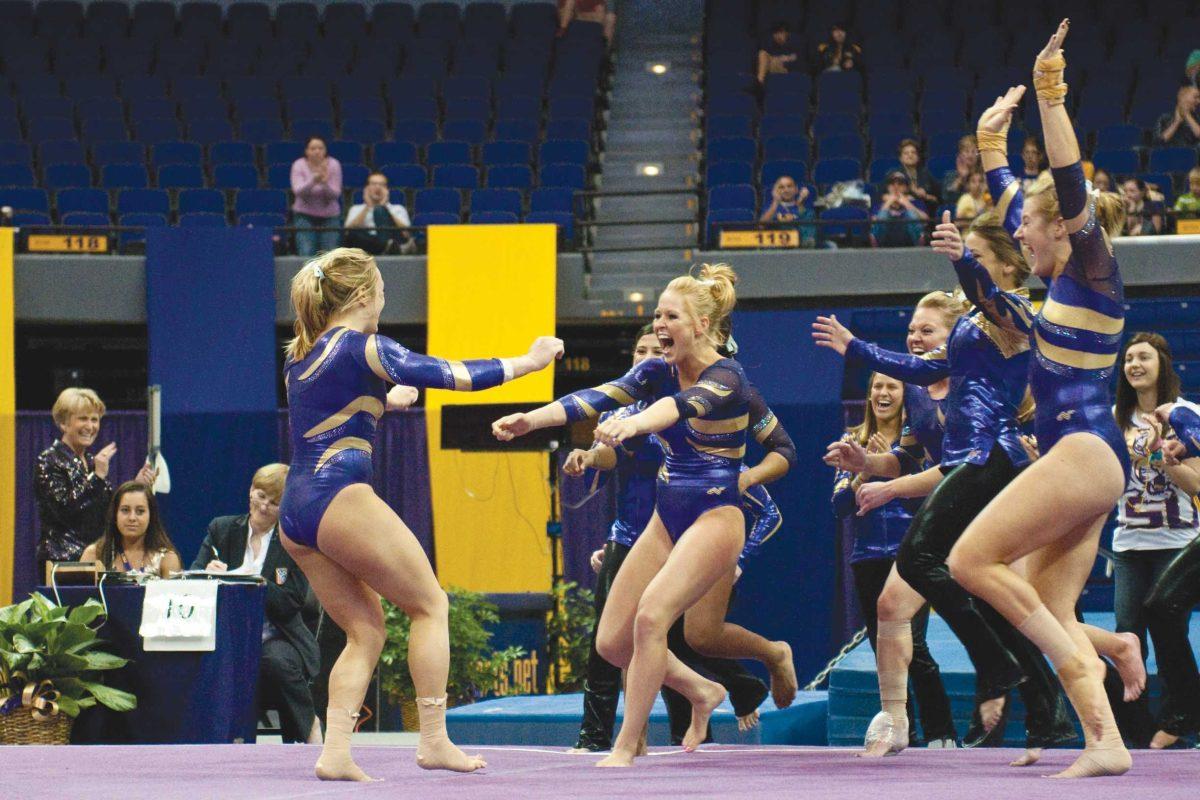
x,y
1048,79
1053,94
994,142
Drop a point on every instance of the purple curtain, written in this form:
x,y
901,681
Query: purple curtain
x,y
401,473
585,528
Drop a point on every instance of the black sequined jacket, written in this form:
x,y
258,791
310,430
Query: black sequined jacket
x,y
72,500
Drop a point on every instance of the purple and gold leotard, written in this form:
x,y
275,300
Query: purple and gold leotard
x,y
336,395
1186,423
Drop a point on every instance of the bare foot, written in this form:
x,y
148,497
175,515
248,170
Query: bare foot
x,y
783,676
990,712
334,768
617,758
1162,740
641,745
885,736
1031,757
748,722
702,708
1130,666
1097,762
444,755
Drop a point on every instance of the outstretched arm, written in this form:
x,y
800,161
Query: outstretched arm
x,y
396,364
992,136
922,370
1008,310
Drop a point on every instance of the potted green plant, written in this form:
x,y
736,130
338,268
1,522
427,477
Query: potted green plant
x,y
474,667
49,659
569,625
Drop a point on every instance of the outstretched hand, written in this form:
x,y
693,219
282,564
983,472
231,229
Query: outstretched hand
x,y
846,454
828,332
613,431
947,239
871,496
997,118
1054,46
400,397
508,428
544,350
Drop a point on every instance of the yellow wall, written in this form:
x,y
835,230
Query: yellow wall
x,y
8,419
491,292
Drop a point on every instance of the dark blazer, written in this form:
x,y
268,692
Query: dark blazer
x,y
287,588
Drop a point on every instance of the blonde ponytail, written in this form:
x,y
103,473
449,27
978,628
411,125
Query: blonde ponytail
x,y
709,293
324,287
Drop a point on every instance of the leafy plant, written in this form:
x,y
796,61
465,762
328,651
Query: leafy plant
x,y
474,667
41,641
570,627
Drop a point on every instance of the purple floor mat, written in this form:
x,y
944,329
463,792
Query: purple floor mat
x,y
240,772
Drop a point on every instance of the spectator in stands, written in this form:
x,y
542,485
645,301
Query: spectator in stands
x,y
787,205
974,201
838,53
1034,161
246,544
317,184
1102,181
134,539
922,184
71,484
1179,128
1192,68
780,53
377,225
1188,205
954,182
1156,518
898,205
1143,215
600,11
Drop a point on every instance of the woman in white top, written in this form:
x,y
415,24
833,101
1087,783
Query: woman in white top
x,y
1156,517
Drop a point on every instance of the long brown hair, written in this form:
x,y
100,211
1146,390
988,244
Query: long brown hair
x,y
110,545
1110,208
1167,388
989,227
863,432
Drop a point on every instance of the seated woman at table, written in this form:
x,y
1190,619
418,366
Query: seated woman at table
x,y
134,539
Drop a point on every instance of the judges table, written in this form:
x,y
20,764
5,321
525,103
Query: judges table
x,y
183,697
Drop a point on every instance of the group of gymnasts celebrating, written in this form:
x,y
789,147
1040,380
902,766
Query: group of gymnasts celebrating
x,y
1001,545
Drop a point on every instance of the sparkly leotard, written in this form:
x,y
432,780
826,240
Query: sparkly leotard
x,y
336,395
1186,423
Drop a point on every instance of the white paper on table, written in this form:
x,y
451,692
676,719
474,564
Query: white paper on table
x,y
179,615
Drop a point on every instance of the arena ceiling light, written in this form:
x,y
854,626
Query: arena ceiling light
x,y
658,67
637,297
649,169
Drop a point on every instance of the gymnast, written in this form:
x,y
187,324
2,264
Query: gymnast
x,y
1053,512
350,544
699,407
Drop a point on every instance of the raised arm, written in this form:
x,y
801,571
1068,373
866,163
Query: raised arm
x,y
394,363
992,136
1009,310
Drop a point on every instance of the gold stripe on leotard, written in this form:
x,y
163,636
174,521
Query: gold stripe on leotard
x,y
332,343
365,403
616,393
723,452
1082,318
772,532
1010,192
715,388
1075,358
588,411
767,430
345,443
462,378
720,425
373,360
701,410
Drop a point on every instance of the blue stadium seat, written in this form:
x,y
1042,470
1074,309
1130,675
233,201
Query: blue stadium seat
x,y
61,151
181,176
792,147
10,130
203,107
563,219
354,174
85,219
441,200
233,153
742,196
510,176
72,200
192,87
783,125
522,130
395,153
84,87
472,131
141,108
127,238
729,173
422,219
563,151
414,107
496,200
301,129
880,168
144,86
99,106
178,152
65,176
418,131
201,200
279,176
405,176
772,170
456,176
850,146
738,104
570,176
506,152
106,130
839,92
210,131
363,130
464,87
834,124
575,129
235,176
518,106
739,148
143,201
202,220
23,198
835,170
1163,182
47,128
260,201
17,175
153,131
575,107
29,219
284,151
15,153
1172,159
854,223
310,108
370,108
1117,162
1118,137
261,131
118,153
551,200
493,218
448,152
